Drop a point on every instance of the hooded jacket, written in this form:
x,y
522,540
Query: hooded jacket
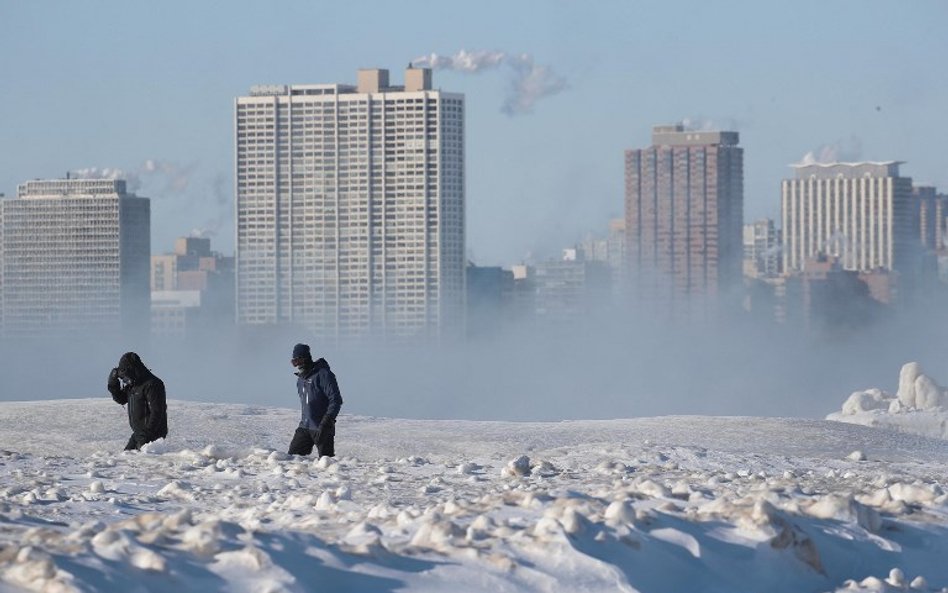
x,y
319,395
145,396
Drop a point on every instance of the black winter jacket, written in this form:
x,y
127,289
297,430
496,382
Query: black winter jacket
x,y
147,410
319,395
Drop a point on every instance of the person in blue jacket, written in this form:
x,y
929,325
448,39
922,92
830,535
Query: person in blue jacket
x,y
320,401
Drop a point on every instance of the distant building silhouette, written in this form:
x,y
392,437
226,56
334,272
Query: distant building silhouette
x,y
490,300
762,249
569,289
930,210
192,289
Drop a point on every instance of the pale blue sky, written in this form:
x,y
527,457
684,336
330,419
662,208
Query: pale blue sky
x,y
114,84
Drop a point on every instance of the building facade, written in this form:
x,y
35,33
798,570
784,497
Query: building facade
x,y
684,200
192,289
860,213
75,259
762,249
569,290
931,209
350,207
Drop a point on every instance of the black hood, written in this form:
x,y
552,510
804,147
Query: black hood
x,y
132,368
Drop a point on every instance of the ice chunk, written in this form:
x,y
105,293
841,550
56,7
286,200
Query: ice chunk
x,y
619,511
907,376
919,582
325,501
928,394
912,493
467,468
573,522
846,508
176,489
856,456
652,489
145,559
202,538
250,557
436,533
896,578
517,467
364,538
863,401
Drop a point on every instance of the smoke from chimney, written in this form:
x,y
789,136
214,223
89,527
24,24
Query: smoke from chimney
x,y
529,83
174,179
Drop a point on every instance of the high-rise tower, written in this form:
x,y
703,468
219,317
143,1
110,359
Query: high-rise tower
x,y
858,212
350,207
684,199
75,260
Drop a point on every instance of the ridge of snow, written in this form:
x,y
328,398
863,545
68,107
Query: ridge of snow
x,y
656,505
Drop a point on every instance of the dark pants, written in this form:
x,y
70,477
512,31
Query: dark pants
x,y
136,442
304,440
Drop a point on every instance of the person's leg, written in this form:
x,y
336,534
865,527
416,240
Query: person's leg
x,y
326,445
302,443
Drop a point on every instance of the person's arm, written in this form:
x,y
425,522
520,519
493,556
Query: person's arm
x,y
331,389
155,396
115,388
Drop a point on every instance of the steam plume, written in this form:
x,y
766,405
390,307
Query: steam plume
x,y
840,151
175,179
529,82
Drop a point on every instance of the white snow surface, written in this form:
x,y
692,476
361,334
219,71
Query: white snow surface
x,y
659,505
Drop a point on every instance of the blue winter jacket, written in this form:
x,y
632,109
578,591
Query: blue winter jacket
x,y
319,395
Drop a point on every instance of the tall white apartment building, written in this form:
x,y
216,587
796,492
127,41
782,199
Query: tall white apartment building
x,y
75,260
350,207
858,212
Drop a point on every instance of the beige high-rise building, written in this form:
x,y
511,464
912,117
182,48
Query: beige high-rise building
x,y
860,213
75,260
684,199
350,207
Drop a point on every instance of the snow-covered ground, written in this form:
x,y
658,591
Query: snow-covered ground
x,y
660,505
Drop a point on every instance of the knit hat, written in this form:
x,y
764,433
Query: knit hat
x,y
301,351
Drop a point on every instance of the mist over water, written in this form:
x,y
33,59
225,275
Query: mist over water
x,y
607,366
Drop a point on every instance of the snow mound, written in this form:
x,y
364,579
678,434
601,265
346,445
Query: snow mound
x,y
653,505
920,406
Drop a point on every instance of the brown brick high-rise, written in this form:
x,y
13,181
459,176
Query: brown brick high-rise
x,y
684,200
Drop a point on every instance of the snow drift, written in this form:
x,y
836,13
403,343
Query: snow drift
x,y
657,505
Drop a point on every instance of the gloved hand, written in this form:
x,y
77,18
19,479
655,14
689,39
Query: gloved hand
x,y
323,427
114,380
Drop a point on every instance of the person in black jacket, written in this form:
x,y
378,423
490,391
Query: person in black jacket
x,y
132,383
320,401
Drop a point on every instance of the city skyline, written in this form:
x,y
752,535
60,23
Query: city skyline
x,y
549,120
